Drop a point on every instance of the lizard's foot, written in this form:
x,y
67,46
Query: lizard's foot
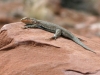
x,y
81,39
53,38
25,27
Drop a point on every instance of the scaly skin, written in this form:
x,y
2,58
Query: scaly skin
x,y
54,28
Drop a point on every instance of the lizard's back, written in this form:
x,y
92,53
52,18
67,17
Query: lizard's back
x,y
52,28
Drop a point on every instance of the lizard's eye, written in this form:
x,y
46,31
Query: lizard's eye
x,y
27,19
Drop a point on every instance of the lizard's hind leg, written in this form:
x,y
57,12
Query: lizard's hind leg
x,y
57,34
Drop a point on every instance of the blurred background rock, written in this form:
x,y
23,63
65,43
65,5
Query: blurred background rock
x,y
79,16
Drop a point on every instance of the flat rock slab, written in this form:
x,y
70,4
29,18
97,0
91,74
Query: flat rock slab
x,y
31,52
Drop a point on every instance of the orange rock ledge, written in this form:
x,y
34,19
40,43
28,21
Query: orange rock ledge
x,y
31,52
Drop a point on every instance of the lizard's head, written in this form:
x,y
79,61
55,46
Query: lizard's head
x,y
28,20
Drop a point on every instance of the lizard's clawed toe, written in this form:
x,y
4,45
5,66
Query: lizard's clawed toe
x,y
53,38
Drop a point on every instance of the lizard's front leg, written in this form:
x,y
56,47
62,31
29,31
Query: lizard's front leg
x,y
30,26
57,34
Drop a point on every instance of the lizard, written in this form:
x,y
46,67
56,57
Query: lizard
x,y
53,28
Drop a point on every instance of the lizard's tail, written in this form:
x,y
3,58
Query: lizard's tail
x,y
75,39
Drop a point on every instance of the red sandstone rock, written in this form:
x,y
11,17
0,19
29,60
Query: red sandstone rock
x,y
31,52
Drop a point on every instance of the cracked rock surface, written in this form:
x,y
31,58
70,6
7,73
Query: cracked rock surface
x,y
31,52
